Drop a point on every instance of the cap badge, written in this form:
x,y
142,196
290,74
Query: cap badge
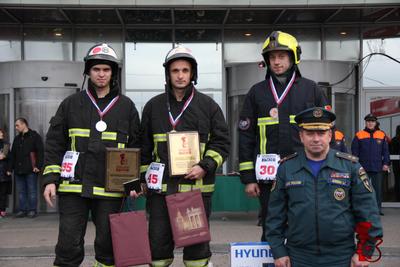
x,y
317,113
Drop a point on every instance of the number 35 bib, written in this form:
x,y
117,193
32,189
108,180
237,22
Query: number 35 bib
x,y
267,166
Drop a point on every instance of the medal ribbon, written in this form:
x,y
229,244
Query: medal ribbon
x,y
279,100
175,121
108,107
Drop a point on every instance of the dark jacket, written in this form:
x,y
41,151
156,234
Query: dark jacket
x,y
338,141
73,129
261,133
318,215
202,115
4,149
372,149
26,152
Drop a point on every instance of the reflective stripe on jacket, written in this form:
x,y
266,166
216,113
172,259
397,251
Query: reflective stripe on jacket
x,y
262,130
73,128
202,115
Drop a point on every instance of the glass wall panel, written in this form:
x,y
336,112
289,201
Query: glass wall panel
x,y
48,43
379,70
10,44
342,43
87,37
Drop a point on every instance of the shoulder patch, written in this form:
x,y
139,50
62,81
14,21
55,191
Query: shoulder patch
x,y
288,157
346,156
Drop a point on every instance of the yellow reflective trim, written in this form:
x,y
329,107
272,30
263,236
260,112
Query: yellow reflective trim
x,y
52,169
247,165
70,188
164,188
121,145
79,132
215,156
99,191
73,143
196,263
263,139
109,136
143,168
203,188
291,117
99,264
202,149
162,263
160,137
267,121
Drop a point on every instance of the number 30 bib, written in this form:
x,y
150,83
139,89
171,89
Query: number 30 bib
x,y
267,166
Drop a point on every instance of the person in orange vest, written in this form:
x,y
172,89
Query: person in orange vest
x,y
372,148
338,141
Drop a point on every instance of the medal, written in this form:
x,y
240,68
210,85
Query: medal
x,y
273,113
101,126
175,121
280,99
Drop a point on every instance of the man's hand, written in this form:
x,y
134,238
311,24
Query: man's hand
x,y
385,168
252,190
49,194
135,195
8,173
282,262
355,262
195,173
2,156
36,170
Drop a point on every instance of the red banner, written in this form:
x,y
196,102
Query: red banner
x,y
386,106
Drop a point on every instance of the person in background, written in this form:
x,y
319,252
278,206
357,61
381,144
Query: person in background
x,y
338,141
371,147
5,179
26,160
395,150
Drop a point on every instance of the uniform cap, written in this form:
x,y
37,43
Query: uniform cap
x,y
316,118
370,117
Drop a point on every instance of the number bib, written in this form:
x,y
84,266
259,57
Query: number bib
x,y
267,166
68,164
154,175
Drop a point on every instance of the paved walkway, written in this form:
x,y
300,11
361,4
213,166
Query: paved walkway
x,y
30,242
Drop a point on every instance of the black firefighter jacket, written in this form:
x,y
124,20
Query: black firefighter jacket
x,y
73,128
202,115
263,132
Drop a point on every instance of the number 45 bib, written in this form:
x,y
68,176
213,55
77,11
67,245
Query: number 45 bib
x,y
267,166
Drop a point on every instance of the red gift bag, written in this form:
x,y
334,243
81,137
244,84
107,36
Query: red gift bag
x,y
130,238
188,218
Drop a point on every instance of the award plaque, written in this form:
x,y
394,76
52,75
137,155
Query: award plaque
x,y
122,165
183,151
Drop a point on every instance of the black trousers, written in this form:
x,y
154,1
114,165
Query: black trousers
x,y
74,213
3,195
160,234
265,190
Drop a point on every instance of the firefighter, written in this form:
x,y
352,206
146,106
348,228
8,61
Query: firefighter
x,y
84,125
180,108
321,199
267,130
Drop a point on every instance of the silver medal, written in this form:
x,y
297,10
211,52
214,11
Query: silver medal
x,y
101,126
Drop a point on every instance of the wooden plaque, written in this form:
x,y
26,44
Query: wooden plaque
x,y
122,165
183,151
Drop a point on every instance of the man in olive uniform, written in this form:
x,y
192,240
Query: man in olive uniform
x,y
321,199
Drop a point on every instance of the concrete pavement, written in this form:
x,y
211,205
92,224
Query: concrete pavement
x,y
30,242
